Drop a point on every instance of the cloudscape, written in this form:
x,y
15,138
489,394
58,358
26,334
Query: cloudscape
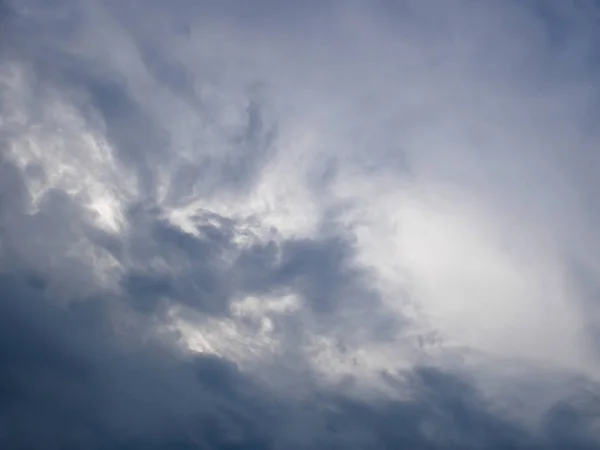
x,y
265,224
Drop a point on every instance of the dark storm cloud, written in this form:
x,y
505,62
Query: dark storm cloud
x,y
68,380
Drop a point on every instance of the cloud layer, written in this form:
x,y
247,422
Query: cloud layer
x,y
266,225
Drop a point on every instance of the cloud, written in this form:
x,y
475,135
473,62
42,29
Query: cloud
x,y
327,225
67,381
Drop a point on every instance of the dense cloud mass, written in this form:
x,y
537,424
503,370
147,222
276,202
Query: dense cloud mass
x,y
299,225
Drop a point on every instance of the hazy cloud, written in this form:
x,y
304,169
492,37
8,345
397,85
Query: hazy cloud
x,y
258,225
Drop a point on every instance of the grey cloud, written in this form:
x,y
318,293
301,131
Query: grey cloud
x,y
68,381
245,154
86,363
144,146
38,242
72,377
69,377
209,271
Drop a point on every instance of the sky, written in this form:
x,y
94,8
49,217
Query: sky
x,y
252,225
